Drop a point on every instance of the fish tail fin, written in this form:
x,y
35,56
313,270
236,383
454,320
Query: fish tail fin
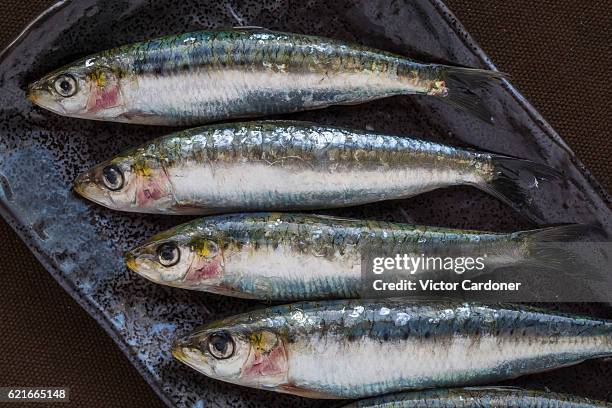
x,y
513,180
552,248
460,84
568,262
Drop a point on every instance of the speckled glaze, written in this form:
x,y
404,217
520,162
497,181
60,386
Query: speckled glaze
x,y
283,257
360,348
81,244
479,397
206,76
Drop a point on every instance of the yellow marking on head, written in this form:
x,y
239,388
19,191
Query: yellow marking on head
x,y
99,78
257,340
140,167
31,96
177,352
202,248
130,261
263,341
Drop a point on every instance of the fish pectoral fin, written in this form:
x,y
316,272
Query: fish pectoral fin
x,y
294,390
135,115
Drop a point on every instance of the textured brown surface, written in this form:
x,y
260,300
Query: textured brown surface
x,y
558,54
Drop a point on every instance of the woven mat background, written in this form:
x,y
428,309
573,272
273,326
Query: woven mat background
x,y
559,55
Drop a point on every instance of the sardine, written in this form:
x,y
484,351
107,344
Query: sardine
x,y
279,165
360,348
300,257
479,397
208,76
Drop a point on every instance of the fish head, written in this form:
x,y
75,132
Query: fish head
x,y
87,89
180,258
237,354
133,181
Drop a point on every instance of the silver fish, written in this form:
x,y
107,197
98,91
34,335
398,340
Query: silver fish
x,y
214,75
299,257
361,348
279,165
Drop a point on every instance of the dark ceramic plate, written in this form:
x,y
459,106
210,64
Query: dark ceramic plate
x,y
81,244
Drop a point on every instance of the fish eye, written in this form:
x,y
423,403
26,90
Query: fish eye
x,y
221,346
65,85
112,178
168,254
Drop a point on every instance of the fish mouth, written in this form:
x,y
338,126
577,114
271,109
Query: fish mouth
x,y
177,353
31,96
88,186
34,93
130,261
177,349
140,260
38,94
85,185
80,182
